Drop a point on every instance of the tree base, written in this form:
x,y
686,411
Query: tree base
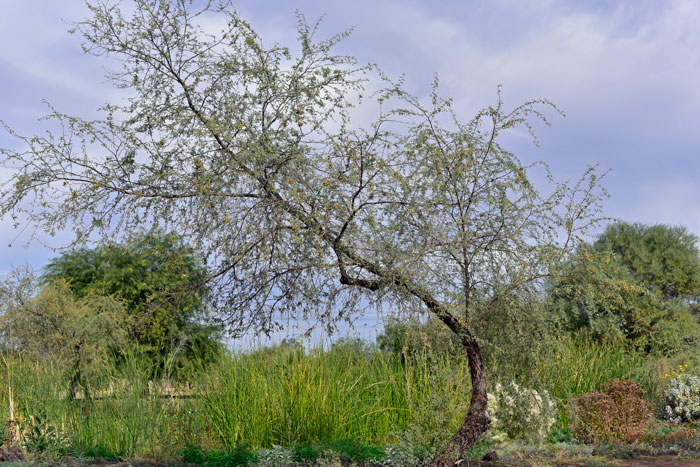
x,y
474,426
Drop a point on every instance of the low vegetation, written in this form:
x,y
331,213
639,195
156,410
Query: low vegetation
x,y
70,389
353,400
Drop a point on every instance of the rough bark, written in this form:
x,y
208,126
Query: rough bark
x,y
477,421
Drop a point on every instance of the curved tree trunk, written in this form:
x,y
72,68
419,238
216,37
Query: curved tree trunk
x,y
477,421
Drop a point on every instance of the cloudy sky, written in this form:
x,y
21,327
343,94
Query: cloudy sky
x,y
626,73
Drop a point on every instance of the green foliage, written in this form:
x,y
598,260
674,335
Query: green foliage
x,y
238,457
4,435
304,452
42,437
605,289
355,450
413,338
595,292
100,452
81,333
663,258
194,455
520,413
159,280
618,413
559,434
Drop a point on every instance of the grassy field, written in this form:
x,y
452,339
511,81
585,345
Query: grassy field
x,y
286,396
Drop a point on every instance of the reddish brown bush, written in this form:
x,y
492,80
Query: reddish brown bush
x,y
619,413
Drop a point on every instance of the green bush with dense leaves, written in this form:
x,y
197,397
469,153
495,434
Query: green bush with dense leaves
x,y
664,258
634,281
160,282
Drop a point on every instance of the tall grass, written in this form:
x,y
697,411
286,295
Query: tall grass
x,y
295,397
579,364
128,421
292,396
570,365
277,396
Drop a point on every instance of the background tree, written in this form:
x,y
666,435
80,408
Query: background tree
x,y
663,258
251,154
50,323
160,282
635,282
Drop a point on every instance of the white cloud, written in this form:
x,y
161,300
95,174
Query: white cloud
x,y
625,72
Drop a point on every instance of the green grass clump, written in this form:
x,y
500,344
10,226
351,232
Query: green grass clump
x,y
293,397
240,456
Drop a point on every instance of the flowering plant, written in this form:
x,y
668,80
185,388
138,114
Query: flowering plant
x,y
682,396
520,413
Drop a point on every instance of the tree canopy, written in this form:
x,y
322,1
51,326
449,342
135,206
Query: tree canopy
x,y
635,281
50,322
254,155
161,284
663,258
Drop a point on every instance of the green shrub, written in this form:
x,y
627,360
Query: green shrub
x,y
619,413
194,455
520,413
50,324
304,453
401,455
241,456
634,281
157,277
275,457
99,451
356,450
682,397
42,437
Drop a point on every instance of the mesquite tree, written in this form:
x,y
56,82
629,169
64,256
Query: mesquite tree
x,y
250,153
